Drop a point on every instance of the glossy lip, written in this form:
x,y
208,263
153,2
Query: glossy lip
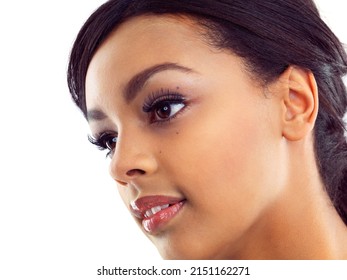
x,y
153,223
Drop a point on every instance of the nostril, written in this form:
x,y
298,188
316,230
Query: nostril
x,y
134,172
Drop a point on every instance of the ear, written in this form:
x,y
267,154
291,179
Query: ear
x,y
299,102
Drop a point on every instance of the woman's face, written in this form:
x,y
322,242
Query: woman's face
x,y
197,155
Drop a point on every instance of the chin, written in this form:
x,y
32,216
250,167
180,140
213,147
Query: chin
x,y
187,252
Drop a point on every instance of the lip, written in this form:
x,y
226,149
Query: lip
x,y
155,222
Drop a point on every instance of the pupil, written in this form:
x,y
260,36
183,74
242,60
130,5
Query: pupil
x,y
164,111
111,144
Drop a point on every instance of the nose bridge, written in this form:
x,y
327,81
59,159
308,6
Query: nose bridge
x,y
134,156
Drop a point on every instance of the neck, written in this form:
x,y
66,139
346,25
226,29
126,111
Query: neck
x,y
302,223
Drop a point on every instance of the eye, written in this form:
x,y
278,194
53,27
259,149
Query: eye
x,y
164,107
166,110
111,142
105,141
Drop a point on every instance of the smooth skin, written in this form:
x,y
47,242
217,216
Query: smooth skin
x,y
241,154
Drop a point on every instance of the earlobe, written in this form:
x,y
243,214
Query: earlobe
x,y
300,103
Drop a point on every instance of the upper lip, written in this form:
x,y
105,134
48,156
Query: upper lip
x,y
139,206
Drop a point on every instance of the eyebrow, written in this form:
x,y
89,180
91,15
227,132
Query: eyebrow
x,y
95,115
136,83
139,80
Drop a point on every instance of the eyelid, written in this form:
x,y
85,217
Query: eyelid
x,y
162,95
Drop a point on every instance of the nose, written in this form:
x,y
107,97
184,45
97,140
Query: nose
x,y
133,158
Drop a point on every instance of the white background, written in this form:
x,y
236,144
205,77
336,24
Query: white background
x,y
60,214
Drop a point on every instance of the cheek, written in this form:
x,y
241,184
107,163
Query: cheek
x,y
237,162
242,149
227,163
226,172
226,148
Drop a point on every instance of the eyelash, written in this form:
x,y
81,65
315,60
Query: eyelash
x,y
104,141
158,100
107,140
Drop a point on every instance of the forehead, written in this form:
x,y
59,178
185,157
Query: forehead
x,y
144,39
142,42
155,32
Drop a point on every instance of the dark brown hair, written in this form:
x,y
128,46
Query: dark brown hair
x,y
269,35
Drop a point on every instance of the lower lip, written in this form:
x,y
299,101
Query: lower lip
x,y
160,219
